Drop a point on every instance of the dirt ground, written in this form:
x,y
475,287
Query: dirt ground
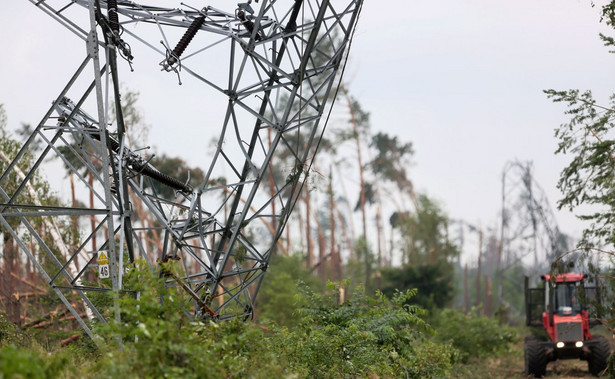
x,y
510,365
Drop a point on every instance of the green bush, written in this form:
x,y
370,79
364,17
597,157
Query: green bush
x,y
362,337
365,336
473,335
276,298
11,334
434,282
20,362
160,340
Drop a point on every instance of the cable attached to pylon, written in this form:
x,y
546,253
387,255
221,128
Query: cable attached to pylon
x,y
112,30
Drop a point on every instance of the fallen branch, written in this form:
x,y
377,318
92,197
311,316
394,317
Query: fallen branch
x,y
53,314
52,321
20,295
28,282
70,339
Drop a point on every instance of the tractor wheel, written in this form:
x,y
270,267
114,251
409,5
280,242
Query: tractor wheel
x,y
600,352
535,357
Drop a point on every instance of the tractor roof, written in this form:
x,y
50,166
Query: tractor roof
x,y
565,277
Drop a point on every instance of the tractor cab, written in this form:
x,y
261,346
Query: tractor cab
x,y
565,301
563,292
560,307
565,317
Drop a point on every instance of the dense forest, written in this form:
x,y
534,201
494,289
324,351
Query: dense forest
x,y
368,278
327,308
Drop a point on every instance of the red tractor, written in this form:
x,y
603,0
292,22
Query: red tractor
x,y
560,307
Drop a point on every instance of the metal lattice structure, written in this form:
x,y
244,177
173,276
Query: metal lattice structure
x,y
529,230
527,219
282,64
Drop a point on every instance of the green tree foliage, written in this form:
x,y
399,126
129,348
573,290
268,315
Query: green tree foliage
x,y
427,255
513,305
434,283
21,357
366,336
360,123
588,138
138,131
31,363
392,160
277,298
363,337
10,334
9,148
424,233
159,340
473,335
357,270
36,192
3,121
179,169
588,179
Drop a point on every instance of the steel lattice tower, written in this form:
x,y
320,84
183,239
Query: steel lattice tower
x,y
529,232
283,62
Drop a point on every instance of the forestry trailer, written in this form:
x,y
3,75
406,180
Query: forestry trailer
x,y
560,308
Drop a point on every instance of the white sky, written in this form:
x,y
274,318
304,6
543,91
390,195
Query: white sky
x,y
461,79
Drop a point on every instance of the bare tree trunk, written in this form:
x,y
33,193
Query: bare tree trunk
x,y
488,297
30,271
355,128
391,248
308,231
466,295
379,245
287,229
336,266
348,236
272,192
347,240
13,306
479,268
498,266
380,230
322,254
74,219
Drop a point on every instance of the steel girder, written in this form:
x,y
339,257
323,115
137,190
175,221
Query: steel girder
x,y
283,63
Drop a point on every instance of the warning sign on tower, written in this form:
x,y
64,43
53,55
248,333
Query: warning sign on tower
x,y
103,265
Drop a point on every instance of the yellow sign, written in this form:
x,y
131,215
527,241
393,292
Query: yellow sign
x,y
103,265
102,258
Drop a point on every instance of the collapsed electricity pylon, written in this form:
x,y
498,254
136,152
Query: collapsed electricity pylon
x,y
529,230
283,65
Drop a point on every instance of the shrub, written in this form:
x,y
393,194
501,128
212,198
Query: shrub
x,y
20,362
160,340
361,337
276,298
364,337
473,335
11,334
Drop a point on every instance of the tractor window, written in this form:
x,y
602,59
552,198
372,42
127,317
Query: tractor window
x,y
566,301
